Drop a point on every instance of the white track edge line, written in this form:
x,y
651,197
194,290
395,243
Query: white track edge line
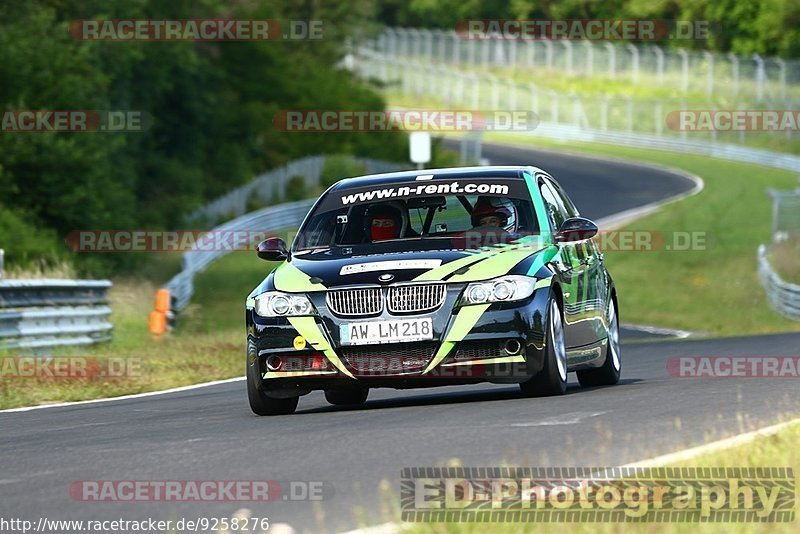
x,y
714,446
123,397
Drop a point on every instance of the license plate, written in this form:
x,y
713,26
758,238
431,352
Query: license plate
x,y
374,332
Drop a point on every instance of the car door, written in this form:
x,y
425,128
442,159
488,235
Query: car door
x,y
593,289
574,274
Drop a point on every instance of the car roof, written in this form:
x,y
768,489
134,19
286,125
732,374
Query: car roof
x,y
489,171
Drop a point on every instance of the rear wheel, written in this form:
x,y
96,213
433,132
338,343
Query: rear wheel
x,y
344,397
608,374
260,403
552,379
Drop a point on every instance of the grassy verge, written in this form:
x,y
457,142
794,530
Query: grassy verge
x,y
778,450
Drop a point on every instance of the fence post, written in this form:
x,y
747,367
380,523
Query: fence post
x,y
612,60
659,64
568,49
684,70
634,63
548,45
760,75
2,260
735,73
710,76
534,98
782,78
589,57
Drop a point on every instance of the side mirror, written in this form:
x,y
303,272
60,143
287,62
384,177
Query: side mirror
x,y
576,229
272,249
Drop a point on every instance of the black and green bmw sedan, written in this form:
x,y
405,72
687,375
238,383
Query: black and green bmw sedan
x,y
435,277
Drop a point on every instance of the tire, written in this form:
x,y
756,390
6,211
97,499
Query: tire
x,y
552,379
260,403
347,397
608,374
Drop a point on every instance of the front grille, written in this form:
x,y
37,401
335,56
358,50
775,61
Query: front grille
x,y
389,359
480,350
367,301
416,298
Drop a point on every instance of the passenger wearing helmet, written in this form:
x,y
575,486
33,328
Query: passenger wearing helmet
x,y
492,212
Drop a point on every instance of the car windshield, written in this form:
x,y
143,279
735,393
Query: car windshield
x,y
420,215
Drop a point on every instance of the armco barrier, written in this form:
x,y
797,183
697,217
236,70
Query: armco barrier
x,y
50,313
783,296
181,286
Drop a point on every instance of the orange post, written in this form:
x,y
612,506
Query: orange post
x,y
162,300
157,323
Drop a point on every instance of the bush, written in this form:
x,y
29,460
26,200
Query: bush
x,y
296,189
338,167
25,245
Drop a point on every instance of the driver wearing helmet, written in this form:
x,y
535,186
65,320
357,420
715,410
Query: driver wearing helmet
x,y
493,212
383,222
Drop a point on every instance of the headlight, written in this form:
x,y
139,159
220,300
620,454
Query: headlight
x,y
277,304
503,289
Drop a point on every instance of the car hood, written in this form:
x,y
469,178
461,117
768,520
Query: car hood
x,y
319,271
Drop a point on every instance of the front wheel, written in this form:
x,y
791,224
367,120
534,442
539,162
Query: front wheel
x,y
608,374
260,403
552,379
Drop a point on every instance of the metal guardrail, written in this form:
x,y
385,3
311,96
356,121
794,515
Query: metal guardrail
x,y
270,186
782,295
51,313
181,286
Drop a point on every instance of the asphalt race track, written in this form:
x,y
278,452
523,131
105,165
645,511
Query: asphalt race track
x,y
210,434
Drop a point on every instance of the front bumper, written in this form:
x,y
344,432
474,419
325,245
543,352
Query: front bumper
x,y
500,343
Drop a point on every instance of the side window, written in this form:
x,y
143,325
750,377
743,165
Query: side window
x,y
569,208
553,203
